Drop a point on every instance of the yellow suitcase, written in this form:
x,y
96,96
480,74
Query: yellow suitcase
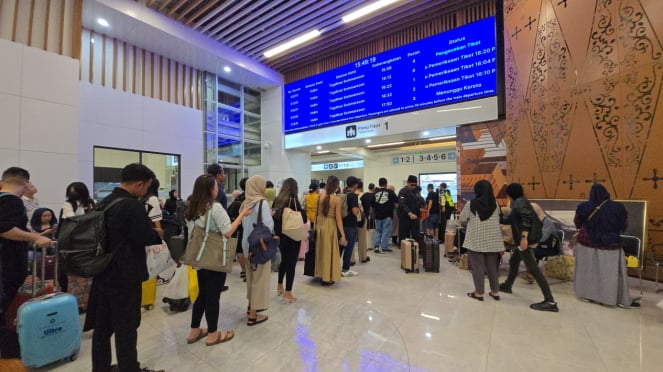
x,y
149,294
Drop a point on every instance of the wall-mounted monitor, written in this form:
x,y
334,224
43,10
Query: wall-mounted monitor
x,y
458,65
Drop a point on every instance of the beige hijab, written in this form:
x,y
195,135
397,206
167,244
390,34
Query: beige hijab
x,y
255,190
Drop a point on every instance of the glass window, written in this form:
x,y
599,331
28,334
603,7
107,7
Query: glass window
x,y
230,151
108,165
210,116
252,127
252,153
252,101
229,99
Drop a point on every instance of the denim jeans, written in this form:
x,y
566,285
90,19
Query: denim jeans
x,y
383,232
346,250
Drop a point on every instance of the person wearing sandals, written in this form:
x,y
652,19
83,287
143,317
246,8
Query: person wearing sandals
x,y
210,283
328,226
257,276
289,248
483,239
233,212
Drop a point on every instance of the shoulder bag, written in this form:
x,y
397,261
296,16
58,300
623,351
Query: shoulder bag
x,y
209,250
293,223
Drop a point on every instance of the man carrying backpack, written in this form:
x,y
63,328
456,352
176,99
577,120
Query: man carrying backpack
x,y
14,238
116,292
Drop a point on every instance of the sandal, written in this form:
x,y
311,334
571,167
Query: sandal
x,y
242,274
279,292
495,297
474,296
221,338
257,320
202,335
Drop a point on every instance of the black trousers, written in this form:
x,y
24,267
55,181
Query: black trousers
x,y
408,228
117,312
289,254
532,267
210,284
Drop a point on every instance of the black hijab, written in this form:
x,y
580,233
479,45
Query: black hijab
x,y
484,204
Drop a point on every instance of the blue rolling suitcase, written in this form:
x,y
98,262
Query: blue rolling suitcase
x,y
49,328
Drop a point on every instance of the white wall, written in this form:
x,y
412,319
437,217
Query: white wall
x,y
277,163
112,118
382,166
39,99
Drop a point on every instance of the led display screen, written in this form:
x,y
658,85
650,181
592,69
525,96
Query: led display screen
x,y
454,66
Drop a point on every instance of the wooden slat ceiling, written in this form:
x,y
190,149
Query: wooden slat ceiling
x,y
253,26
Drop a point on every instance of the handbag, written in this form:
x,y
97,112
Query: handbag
x,y
262,244
158,258
293,224
202,250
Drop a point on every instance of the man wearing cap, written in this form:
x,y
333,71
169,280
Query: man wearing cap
x,y
217,172
408,212
350,225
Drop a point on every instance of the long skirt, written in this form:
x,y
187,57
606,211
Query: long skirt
x,y
600,276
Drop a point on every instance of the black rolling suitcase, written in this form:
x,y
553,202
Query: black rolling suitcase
x,y
431,254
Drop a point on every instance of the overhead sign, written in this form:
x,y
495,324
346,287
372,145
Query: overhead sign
x,y
337,165
455,66
428,157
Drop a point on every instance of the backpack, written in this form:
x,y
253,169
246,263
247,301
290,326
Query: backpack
x,y
547,229
344,205
262,244
82,242
537,227
234,207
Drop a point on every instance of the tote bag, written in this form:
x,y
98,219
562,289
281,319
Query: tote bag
x,y
158,258
209,250
293,224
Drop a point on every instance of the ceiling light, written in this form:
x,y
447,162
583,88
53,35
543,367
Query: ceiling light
x,y
460,109
92,40
227,69
292,43
318,147
442,138
368,141
366,10
426,133
387,144
324,152
103,22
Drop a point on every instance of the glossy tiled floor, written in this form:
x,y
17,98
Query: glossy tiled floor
x,y
385,320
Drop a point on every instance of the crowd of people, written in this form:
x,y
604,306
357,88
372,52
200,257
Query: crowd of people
x,y
338,219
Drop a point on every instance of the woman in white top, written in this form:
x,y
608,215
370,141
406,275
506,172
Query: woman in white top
x,y
78,201
483,239
210,283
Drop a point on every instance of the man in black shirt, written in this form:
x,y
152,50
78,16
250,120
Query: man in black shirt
x,y
115,296
385,202
366,199
408,212
14,238
350,225
216,171
433,207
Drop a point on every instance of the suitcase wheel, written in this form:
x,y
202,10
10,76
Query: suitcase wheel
x,y
148,307
73,356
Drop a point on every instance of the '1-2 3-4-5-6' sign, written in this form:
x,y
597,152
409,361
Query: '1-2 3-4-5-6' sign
x,y
431,157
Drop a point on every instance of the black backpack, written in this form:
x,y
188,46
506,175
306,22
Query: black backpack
x,y
82,242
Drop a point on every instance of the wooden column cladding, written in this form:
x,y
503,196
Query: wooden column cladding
x,y
119,65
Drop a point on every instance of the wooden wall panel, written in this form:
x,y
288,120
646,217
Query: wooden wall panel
x,y
113,63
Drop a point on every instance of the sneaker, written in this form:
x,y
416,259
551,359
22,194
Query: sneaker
x,y
379,251
504,288
349,273
367,259
545,306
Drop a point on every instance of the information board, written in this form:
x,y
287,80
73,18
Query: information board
x,y
454,66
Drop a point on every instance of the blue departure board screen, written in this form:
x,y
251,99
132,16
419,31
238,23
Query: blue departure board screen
x,y
454,66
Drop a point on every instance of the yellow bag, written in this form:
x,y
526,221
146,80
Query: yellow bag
x,y
193,284
560,267
632,262
463,263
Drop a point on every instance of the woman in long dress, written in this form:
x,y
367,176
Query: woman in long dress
x,y
327,228
600,268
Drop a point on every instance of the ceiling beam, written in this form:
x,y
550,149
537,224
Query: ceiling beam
x,y
234,24
232,12
163,5
177,6
200,11
209,16
188,9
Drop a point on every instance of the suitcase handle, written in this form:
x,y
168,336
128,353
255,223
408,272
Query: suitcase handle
x,y
43,267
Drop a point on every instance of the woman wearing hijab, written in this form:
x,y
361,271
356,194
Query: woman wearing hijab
x,y
257,281
526,229
483,239
600,268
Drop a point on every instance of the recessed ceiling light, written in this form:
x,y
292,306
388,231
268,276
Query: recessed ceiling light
x,y
292,43
318,147
426,133
227,69
442,138
324,152
368,141
387,144
103,22
92,40
366,10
